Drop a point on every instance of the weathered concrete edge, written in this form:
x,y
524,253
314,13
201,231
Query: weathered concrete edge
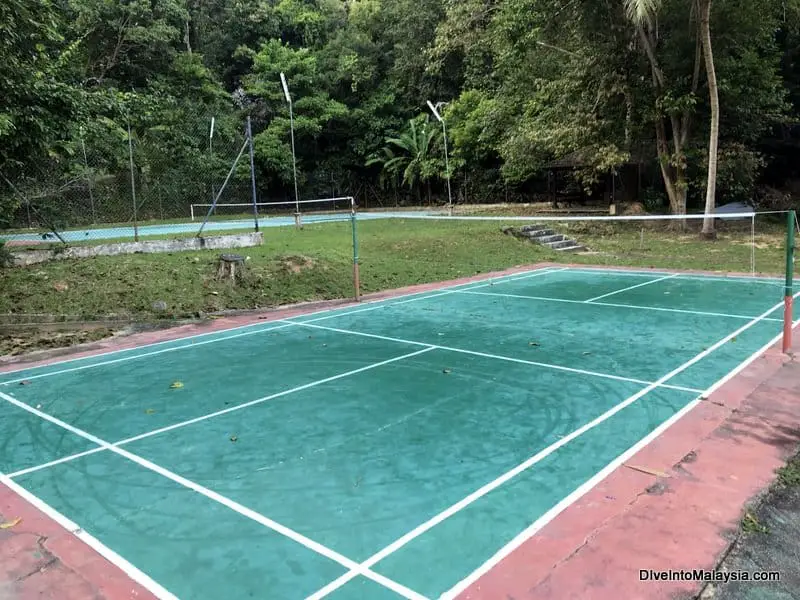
x,y
238,240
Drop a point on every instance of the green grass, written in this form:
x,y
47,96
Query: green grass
x,y
316,263
789,475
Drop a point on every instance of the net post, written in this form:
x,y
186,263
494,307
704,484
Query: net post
x,y
356,272
788,313
252,173
191,211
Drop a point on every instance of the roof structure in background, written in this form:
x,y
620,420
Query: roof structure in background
x,y
640,153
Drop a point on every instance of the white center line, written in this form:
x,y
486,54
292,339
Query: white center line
x,y
633,287
218,413
527,464
225,501
551,514
494,356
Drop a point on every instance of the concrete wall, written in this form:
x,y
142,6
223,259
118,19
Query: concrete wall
x,y
240,240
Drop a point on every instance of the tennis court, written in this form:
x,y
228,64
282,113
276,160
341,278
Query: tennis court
x,y
390,449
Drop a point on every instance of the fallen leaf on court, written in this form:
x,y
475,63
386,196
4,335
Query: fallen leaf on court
x,y
176,385
447,371
586,353
537,344
149,411
234,438
10,524
26,382
733,340
648,471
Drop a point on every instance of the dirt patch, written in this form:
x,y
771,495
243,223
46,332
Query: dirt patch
x,y
297,264
634,208
21,342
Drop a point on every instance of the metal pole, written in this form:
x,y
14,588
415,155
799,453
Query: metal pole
x,y
211,155
133,186
252,172
88,178
297,219
356,272
788,314
447,169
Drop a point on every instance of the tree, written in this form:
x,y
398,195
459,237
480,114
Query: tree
x,y
671,109
315,111
704,7
410,154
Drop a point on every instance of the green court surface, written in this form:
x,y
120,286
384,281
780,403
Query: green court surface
x,y
377,451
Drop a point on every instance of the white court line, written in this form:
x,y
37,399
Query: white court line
x,y
632,306
495,356
133,357
538,457
375,304
218,413
576,495
143,346
633,287
225,501
115,559
447,292
692,277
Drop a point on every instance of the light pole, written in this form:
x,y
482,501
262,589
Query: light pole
x,y
435,108
288,96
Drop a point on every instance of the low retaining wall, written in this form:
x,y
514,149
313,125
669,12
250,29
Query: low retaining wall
x,y
239,240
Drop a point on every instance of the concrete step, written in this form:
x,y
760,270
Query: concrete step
x,y
573,248
527,228
537,232
564,243
551,239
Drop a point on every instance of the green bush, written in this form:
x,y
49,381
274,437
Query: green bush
x,y
6,258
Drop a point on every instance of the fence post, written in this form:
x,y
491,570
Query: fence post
x,y
252,172
133,185
88,178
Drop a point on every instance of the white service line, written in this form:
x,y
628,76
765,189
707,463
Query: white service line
x,y
372,305
115,559
218,413
495,356
446,292
633,287
225,501
538,457
576,495
631,306
684,276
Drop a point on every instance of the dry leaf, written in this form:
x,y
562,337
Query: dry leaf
x,y
11,524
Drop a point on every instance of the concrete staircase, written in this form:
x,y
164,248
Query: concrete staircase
x,y
546,237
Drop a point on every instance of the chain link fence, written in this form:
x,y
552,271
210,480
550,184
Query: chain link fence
x,y
116,181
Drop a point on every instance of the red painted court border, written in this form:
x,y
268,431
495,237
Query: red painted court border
x,y
593,549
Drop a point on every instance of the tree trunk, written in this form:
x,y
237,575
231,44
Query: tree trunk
x,y
711,187
673,172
